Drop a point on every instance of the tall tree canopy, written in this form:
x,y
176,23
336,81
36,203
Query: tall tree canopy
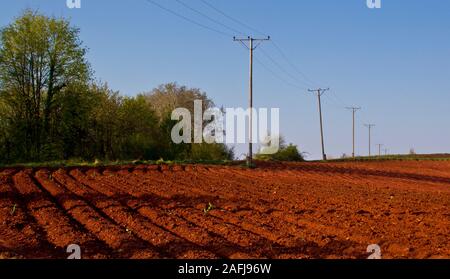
x,y
163,100
40,57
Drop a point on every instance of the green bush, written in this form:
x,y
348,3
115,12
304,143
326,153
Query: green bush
x,y
211,152
288,153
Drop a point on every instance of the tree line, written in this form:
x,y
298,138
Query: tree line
x,y
52,109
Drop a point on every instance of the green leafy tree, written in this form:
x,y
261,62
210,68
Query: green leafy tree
x,y
72,122
164,100
104,134
138,125
167,97
40,57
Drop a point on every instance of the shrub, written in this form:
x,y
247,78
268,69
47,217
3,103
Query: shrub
x,y
288,153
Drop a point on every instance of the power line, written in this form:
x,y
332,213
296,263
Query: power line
x,y
281,67
309,81
188,19
339,98
333,102
267,68
278,65
209,18
222,33
232,18
285,57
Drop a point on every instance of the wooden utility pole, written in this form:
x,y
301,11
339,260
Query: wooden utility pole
x,y
370,126
379,148
354,110
251,47
320,92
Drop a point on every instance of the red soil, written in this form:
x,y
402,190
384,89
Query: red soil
x,y
307,210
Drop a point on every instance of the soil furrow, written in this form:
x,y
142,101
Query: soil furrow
x,y
121,242
163,240
21,235
196,217
154,207
60,230
279,241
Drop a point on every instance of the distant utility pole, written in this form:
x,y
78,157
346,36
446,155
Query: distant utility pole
x,y
370,126
354,110
386,151
320,92
251,47
379,148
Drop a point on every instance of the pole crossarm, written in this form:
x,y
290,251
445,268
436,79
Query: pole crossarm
x,y
251,39
355,109
319,91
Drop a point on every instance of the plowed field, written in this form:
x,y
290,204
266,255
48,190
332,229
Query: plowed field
x,y
307,210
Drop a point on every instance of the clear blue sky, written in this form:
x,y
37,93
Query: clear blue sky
x,y
394,62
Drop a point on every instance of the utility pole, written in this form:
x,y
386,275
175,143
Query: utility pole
x,y
370,126
354,110
379,149
320,92
251,47
386,151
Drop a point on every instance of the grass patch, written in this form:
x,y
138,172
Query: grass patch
x,y
418,157
106,163
243,164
